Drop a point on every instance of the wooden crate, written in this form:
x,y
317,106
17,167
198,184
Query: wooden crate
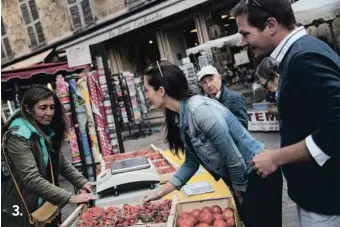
x,y
180,206
75,217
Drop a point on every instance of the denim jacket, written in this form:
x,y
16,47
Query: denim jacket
x,y
214,138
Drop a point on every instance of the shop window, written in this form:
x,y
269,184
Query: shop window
x,y
6,50
30,16
81,14
220,24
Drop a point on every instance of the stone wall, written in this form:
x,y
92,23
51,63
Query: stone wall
x,y
106,9
10,12
54,18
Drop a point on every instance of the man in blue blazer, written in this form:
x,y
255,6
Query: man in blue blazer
x,y
211,82
309,107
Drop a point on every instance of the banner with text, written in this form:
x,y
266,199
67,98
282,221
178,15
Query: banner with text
x,y
261,120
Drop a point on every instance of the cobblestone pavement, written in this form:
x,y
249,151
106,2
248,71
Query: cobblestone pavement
x,y
271,140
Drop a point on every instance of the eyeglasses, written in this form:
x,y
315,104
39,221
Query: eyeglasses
x,y
256,4
266,84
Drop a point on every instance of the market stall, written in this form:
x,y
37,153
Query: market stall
x,y
202,190
83,92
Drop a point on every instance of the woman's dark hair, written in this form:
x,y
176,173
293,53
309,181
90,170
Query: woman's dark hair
x,y
172,79
31,97
259,11
267,69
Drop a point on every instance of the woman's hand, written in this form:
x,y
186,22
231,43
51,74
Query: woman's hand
x,y
88,186
82,198
155,195
152,196
239,197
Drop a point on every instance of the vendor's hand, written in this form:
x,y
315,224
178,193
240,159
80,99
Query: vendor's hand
x,y
265,163
88,186
151,197
82,198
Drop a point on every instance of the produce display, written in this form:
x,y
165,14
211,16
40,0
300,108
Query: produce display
x,y
207,217
117,157
127,215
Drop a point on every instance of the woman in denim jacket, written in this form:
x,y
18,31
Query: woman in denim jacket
x,y
211,136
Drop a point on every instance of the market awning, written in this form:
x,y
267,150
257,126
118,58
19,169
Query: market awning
x,y
36,59
232,40
307,11
48,69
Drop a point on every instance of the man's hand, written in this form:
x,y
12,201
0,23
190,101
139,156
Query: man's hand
x,y
88,186
266,162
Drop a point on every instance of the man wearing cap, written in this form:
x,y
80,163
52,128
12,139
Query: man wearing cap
x,y
211,82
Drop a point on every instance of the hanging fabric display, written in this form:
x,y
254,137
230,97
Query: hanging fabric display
x,y
98,112
107,106
83,88
62,92
79,106
129,77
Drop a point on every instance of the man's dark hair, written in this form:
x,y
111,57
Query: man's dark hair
x,y
259,11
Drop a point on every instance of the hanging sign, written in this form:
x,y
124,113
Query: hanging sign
x,y
78,56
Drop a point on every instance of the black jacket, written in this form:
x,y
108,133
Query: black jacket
x,y
309,104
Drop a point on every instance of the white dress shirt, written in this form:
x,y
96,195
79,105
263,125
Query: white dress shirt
x,y
280,51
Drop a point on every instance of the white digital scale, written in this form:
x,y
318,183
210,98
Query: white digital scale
x,y
126,182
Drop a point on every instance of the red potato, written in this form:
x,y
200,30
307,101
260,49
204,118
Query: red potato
x,y
188,222
196,213
179,221
228,213
192,218
218,216
183,215
206,217
206,209
216,209
184,225
202,225
220,223
230,222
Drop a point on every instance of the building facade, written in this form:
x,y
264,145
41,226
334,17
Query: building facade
x,y
30,25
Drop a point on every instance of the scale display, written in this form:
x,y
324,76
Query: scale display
x,y
129,165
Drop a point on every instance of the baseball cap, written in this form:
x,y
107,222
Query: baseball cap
x,y
206,70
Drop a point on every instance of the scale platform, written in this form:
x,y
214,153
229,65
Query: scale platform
x,y
127,180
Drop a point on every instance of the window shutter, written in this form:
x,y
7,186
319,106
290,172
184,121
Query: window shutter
x,y
31,36
87,12
3,29
75,15
40,32
9,52
25,13
34,9
3,55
